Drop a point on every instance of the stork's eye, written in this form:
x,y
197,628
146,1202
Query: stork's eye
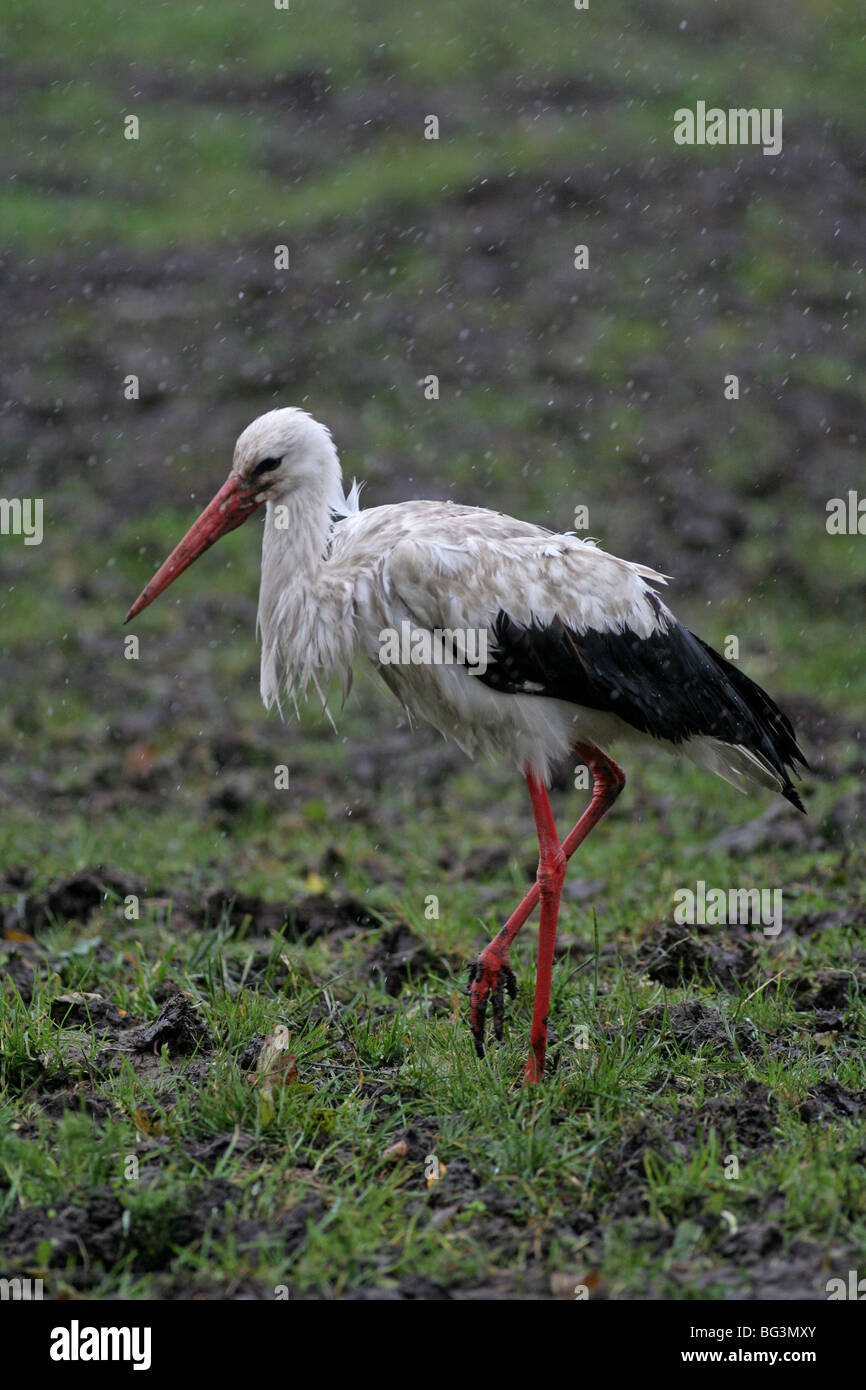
x,y
266,466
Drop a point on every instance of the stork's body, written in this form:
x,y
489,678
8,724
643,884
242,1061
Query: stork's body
x,y
579,648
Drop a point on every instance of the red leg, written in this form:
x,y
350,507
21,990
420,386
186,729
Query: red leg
x,y
551,872
491,974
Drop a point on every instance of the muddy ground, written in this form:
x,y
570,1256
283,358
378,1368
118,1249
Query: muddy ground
x,y
152,779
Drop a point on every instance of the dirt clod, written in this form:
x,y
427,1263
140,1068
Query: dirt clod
x,y
675,955
691,1025
73,899
398,956
178,1027
829,1099
86,1010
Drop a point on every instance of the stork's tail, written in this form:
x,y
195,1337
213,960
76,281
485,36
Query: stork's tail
x,y
768,755
670,685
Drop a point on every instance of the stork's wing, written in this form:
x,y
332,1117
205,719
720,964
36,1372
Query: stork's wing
x,y
532,578
566,620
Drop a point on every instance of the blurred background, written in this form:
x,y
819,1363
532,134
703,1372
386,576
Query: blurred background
x,y
259,127
409,257
558,387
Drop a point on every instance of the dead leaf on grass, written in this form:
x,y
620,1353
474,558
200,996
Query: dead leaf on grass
x,y
275,1069
395,1151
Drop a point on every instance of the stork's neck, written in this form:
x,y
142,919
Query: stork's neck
x,y
297,528
302,619
299,519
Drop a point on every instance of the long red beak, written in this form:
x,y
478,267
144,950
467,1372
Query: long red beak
x,y
230,508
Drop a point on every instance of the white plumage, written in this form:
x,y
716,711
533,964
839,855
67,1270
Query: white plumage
x,y
581,649
334,577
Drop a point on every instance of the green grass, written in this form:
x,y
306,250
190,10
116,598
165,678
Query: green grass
x,y
163,1174
543,1159
76,178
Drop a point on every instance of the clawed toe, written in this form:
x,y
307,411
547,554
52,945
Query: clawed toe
x,y
490,977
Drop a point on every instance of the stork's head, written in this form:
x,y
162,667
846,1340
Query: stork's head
x,y
279,454
283,451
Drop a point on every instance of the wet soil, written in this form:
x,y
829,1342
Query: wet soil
x,y
216,337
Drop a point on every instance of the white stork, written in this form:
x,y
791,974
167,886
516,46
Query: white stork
x,y
581,650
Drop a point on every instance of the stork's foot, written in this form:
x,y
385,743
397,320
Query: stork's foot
x,y
489,978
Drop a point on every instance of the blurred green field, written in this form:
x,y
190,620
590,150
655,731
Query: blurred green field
x,y
154,777
189,81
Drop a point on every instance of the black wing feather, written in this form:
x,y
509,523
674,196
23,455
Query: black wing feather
x,y
671,685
